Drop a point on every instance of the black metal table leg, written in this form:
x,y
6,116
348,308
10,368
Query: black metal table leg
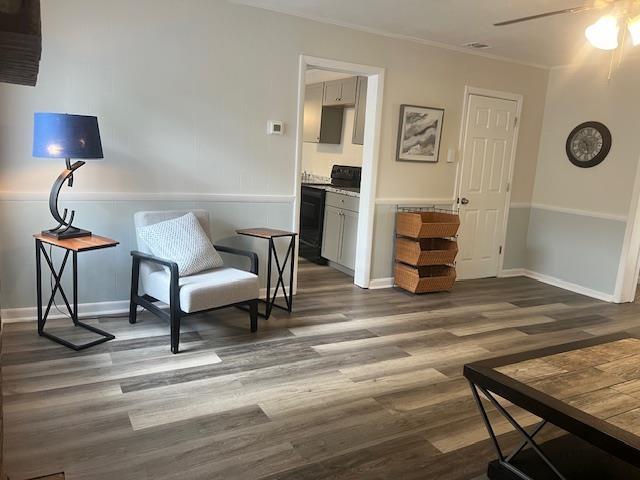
x,y
270,300
528,438
57,287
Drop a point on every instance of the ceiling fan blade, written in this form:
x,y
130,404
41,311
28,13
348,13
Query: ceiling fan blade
x,y
546,14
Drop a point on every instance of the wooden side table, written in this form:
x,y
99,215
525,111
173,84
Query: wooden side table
x,y
271,234
74,246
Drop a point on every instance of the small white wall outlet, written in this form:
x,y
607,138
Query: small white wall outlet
x,y
275,127
451,155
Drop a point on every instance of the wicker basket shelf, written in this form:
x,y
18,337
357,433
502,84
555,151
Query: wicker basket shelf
x,y
427,224
435,278
426,251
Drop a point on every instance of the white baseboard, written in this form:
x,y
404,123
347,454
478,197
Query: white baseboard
x,y
11,315
556,282
97,309
377,283
512,272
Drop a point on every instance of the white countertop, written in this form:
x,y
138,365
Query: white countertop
x,y
331,188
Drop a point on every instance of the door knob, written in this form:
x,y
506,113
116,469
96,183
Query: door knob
x,y
464,201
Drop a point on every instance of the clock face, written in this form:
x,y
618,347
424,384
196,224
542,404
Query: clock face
x,y
588,144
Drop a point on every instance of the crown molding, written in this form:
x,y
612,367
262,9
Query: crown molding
x,y
385,33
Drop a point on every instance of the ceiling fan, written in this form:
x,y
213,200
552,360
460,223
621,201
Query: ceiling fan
x,y
606,33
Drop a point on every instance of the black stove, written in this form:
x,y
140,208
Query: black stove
x,y
343,177
346,176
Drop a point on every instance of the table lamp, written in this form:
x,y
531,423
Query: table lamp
x,y
60,135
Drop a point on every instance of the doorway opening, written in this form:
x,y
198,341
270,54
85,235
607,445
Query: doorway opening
x,y
338,137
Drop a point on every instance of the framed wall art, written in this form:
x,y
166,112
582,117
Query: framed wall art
x,y
419,133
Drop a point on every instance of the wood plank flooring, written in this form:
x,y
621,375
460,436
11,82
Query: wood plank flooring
x,y
355,384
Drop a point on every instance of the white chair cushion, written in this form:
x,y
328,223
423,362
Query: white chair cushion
x,y
205,290
182,240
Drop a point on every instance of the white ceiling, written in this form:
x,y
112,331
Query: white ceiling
x,y
551,41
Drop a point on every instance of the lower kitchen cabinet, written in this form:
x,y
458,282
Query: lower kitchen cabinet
x,y
340,235
331,233
349,239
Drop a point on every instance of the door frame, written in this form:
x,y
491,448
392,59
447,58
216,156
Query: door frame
x,y
629,264
370,157
519,99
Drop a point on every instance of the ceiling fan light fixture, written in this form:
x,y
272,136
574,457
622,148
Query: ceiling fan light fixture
x,y
604,33
634,30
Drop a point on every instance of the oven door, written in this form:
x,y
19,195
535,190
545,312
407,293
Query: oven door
x,y
311,216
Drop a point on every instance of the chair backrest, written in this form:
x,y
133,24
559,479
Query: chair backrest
x,y
142,219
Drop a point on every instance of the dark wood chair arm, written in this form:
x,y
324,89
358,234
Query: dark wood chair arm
x,y
145,257
244,253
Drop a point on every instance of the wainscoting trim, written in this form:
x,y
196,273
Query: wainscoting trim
x,y
571,211
146,196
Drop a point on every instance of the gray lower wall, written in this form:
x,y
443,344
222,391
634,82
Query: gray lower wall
x,y
515,249
105,275
383,241
580,249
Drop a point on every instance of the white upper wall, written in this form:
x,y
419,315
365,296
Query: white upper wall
x,y
578,94
183,92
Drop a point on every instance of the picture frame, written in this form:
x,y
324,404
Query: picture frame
x,y
419,134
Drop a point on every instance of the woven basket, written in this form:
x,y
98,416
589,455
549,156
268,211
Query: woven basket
x,y
427,224
437,278
426,251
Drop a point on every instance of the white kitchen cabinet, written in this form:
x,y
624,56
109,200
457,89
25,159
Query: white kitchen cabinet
x,y
340,232
349,239
340,92
312,112
360,114
321,124
331,233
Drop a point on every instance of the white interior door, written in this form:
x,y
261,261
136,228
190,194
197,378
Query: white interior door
x,y
486,164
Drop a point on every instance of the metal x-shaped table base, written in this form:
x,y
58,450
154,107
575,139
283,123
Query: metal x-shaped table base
x,y
57,287
507,461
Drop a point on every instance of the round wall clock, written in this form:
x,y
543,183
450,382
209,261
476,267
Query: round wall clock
x,y
588,144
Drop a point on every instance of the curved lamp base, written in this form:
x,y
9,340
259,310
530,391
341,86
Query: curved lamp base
x,y
65,229
72,232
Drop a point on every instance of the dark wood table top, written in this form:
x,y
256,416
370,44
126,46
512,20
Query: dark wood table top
x,y
590,388
265,232
78,244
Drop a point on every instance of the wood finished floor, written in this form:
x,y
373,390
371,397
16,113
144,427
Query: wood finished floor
x,y
355,384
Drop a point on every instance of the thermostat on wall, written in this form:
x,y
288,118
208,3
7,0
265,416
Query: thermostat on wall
x,y
275,127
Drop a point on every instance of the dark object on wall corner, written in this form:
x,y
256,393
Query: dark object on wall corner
x,y
59,135
588,144
20,41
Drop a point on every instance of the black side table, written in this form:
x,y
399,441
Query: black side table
x,y
74,246
271,234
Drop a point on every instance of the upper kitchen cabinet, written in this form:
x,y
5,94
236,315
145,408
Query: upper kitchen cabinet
x,y
321,124
312,112
361,105
340,92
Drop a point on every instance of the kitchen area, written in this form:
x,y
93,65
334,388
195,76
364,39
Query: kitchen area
x,y
334,115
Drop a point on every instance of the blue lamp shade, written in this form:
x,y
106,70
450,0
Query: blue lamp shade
x,y
60,135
